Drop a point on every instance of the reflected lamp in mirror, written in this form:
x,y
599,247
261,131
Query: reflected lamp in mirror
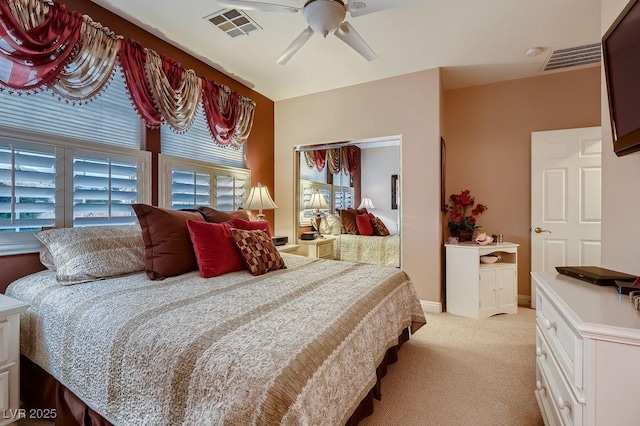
x,y
259,199
366,204
317,202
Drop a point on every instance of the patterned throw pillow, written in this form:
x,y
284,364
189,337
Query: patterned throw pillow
x,y
379,227
257,250
94,252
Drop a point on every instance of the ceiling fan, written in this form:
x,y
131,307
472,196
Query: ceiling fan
x,y
322,16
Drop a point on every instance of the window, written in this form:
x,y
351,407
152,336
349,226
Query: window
x,y
195,183
108,119
104,187
65,164
343,197
58,184
200,145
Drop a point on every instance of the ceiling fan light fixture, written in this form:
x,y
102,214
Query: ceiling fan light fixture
x,y
324,16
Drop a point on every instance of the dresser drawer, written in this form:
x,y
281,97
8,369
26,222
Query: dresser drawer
x,y
4,342
565,405
326,250
564,341
548,408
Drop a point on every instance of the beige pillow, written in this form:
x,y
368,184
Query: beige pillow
x,y
95,252
335,225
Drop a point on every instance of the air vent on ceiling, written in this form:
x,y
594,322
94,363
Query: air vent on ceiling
x,y
573,57
233,22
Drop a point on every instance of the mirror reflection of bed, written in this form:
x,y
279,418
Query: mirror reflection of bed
x,y
354,181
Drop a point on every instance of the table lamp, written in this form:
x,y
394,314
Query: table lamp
x,y
259,199
317,202
366,204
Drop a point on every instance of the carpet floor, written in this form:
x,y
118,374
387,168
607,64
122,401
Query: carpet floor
x,y
461,371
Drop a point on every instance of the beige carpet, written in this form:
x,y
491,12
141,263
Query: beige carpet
x,y
460,371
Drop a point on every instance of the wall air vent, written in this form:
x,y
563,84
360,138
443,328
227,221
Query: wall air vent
x,y
233,22
573,57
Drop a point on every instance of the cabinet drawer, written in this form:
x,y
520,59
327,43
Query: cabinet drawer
x,y
562,404
4,391
547,406
564,341
4,342
325,251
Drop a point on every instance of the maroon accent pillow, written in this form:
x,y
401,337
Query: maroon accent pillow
x,y
379,227
214,247
216,216
348,217
364,224
168,248
258,252
261,225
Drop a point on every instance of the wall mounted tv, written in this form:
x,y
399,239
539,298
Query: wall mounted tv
x,y
621,52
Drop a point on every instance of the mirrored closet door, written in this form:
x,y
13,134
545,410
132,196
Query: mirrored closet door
x,y
350,193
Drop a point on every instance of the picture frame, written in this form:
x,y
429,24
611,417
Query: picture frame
x,y
395,190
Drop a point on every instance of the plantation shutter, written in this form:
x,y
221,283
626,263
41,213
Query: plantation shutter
x,y
231,190
104,187
343,197
190,188
27,187
198,144
108,119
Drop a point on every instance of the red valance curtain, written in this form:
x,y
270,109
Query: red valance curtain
x,y
35,46
44,46
336,159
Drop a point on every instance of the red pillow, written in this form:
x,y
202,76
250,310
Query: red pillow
x,y
363,221
215,249
260,225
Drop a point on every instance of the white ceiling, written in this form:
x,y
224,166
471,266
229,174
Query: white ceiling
x,y
474,41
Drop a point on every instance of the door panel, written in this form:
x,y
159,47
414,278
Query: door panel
x,y
565,199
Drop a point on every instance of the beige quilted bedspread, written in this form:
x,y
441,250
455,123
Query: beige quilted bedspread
x,y
297,347
373,249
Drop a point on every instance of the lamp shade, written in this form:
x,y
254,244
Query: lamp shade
x,y
259,199
317,201
366,204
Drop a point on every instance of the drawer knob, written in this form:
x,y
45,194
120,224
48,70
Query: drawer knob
x,y
562,404
549,325
540,387
540,352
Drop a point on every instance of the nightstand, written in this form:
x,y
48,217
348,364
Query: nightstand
x,y
288,248
320,247
10,310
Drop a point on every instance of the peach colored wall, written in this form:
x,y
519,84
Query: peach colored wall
x,y
488,134
620,184
408,106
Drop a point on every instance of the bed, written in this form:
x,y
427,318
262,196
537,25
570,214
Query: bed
x,y
374,249
295,346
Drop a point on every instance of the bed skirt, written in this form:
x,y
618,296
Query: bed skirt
x,y
40,390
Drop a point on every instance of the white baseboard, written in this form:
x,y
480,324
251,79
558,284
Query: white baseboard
x,y
524,300
429,307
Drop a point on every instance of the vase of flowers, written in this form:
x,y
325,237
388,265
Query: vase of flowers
x,y
462,210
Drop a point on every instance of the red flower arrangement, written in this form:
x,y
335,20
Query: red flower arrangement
x,y
457,209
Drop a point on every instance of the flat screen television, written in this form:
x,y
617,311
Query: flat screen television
x,y
621,54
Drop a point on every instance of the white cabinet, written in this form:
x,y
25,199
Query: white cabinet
x,y
320,247
10,310
479,290
587,350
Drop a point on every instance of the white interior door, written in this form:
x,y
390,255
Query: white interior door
x,y
565,199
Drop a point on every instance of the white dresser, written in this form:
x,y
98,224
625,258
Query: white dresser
x,y
478,290
587,353
10,310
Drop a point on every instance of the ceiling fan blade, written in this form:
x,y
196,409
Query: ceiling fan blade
x,y
348,34
255,5
364,7
304,36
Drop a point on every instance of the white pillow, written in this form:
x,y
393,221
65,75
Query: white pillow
x,y
335,224
95,252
